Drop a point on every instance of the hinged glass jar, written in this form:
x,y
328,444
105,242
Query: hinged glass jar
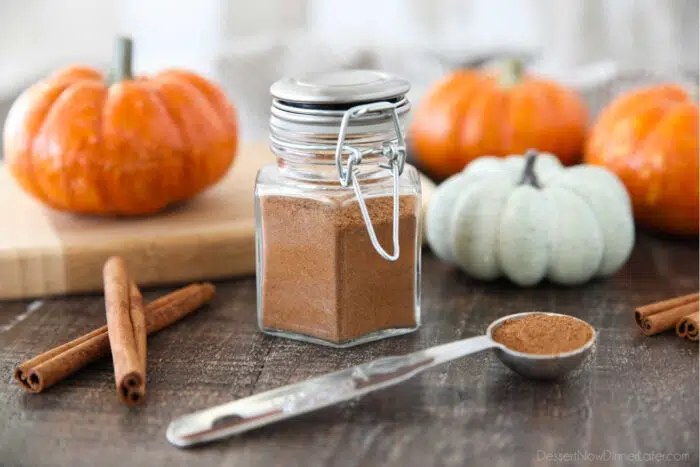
x,y
338,217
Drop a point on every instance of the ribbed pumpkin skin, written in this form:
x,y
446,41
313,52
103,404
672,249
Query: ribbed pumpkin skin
x,y
79,144
649,138
471,114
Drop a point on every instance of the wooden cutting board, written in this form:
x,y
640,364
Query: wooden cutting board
x,y
45,252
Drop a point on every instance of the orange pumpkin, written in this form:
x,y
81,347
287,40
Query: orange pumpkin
x,y
475,113
649,138
119,145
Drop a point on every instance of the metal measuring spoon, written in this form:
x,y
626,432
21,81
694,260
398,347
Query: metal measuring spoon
x,y
289,401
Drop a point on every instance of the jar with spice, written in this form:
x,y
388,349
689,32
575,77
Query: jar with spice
x,y
338,216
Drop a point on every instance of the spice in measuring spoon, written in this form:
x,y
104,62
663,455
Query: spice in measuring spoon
x,y
543,334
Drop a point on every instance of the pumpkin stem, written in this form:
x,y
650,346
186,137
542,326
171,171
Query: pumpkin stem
x,y
511,74
529,177
122,69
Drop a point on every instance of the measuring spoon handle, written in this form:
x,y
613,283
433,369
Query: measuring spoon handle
x,y
295,399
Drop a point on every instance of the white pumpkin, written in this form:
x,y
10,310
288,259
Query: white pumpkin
x,y
528,218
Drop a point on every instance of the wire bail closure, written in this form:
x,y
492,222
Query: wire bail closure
x,y
395,155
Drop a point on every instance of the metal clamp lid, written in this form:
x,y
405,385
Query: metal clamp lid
x,y
395,154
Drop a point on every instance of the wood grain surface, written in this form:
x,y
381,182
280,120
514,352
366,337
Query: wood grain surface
x,y
635,396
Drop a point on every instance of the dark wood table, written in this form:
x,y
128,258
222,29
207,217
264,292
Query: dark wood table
x,y
635,398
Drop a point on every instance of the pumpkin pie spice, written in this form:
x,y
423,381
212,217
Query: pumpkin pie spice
x,y
543,334
321,275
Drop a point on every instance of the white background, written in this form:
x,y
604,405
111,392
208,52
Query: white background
x,y
247,44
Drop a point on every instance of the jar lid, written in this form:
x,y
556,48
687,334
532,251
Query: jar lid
x,y
339,87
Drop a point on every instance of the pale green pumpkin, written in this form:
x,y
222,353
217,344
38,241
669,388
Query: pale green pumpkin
x,y
531,218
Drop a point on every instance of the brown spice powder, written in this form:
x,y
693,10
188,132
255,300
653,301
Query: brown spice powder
x,y
543,334
321,275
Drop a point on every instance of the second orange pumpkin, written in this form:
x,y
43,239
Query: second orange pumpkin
x,y
471,114
649,138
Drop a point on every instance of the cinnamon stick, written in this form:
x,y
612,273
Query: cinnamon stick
x,y
688,326
45,370
125,328
658,317
138,319
647,310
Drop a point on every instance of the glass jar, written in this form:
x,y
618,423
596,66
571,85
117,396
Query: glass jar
x,y
338,216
